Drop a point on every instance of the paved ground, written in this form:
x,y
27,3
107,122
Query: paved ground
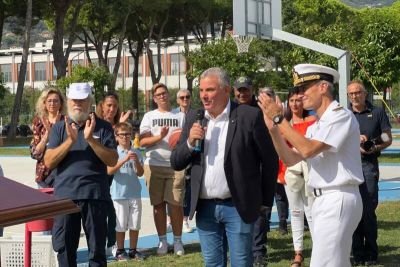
x,y
21,169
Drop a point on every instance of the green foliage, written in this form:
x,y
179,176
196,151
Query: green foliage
x,y
223,53
98,75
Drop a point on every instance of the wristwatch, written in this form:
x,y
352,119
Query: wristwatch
x,y
277,119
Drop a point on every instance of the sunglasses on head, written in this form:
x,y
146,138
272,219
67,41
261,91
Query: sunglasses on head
x,y
184,97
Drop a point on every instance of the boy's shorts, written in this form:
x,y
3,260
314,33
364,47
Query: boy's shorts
x,y
129,214
165,185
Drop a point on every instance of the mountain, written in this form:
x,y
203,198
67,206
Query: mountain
x,y
368,3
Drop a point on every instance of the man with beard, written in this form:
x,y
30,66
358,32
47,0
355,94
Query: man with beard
x,y
79,150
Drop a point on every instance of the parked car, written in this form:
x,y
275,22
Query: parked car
x,y
22,130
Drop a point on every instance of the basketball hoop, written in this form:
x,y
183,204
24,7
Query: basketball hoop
x,y
242,42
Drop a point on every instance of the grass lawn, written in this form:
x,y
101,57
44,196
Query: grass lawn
x,y
280,250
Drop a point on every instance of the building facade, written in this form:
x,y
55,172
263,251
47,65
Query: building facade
x,y
40,68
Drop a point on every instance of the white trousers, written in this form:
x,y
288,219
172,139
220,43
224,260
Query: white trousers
x,y
335,218
299,205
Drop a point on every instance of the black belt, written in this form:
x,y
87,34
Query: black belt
x,y
217,200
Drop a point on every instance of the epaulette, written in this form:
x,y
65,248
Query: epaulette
x,y
338,108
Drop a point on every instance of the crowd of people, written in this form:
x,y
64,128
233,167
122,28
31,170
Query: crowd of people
x,y
225,162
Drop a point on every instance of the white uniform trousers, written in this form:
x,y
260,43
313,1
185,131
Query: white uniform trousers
x,y
336,214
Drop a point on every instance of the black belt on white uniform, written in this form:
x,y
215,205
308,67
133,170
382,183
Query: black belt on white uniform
x,y
317,192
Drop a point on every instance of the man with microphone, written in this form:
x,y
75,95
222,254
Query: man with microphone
x,y
233,175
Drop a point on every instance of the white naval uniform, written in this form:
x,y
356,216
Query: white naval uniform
x,y
334,176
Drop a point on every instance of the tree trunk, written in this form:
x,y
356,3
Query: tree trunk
x,y
22,72
135,76
118,58
2,18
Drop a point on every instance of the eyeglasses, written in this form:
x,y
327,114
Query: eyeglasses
x,y
184,97
55,101
358,93
124,134
161,94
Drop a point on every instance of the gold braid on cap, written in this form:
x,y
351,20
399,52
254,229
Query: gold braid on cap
x,y
297,79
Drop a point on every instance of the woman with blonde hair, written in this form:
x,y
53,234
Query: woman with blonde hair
x,y
50,108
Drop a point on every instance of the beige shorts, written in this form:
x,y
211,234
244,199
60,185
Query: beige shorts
x,y
165,185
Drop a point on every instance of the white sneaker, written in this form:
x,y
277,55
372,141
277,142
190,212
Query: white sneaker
x,y
178,248
169,228
162,248
186,227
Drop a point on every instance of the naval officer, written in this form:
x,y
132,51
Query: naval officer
x,y
331,149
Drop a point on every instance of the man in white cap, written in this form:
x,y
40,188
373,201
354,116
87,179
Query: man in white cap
x,y
79,150
331,148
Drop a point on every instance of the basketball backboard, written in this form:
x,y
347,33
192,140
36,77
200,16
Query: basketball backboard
x,y
256,17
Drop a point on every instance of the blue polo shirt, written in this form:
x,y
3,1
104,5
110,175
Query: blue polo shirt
x,y
373,121
81,175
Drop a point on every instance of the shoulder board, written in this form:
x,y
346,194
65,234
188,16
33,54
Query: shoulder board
x,y
338,108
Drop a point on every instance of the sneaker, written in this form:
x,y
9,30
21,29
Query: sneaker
x,y
178,249
169,228
186,227
136,255
122,256
162,248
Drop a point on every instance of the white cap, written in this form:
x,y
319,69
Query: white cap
x,y
79,91
303,73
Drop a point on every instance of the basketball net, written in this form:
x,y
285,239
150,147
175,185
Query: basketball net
x,y
242,42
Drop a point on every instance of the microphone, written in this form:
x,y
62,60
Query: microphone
x,y
199,120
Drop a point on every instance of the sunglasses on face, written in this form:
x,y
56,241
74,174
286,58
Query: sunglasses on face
x,y
184,97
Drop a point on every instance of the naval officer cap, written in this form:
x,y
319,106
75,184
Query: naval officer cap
x,y
304,73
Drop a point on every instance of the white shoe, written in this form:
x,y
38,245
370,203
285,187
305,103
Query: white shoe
x,y
162,248
186,227
169,228
178,249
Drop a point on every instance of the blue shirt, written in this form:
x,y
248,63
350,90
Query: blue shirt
x,y
81,174
126,184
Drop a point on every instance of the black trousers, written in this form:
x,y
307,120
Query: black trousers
x,y
262,224
67,228
365,247
111,224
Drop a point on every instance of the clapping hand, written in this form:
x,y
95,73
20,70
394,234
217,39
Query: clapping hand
x,y
125,116
270,108
72,131
89,127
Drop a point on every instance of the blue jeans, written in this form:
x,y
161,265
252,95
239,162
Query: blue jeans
x,y
220,226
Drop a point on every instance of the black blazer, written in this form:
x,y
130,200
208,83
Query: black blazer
x,y
250,162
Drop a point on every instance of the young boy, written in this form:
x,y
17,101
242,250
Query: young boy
x,y
125,192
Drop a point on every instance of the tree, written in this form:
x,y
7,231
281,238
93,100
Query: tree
x,y
22,72
57,13
223,53
96,74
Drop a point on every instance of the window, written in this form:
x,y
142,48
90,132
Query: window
x,y
77,62
111,64
155,62
182,63
131,66
54,72
175,64
27,71
5,69
40,71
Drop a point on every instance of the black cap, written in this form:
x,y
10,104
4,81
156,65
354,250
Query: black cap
x,y
243,82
